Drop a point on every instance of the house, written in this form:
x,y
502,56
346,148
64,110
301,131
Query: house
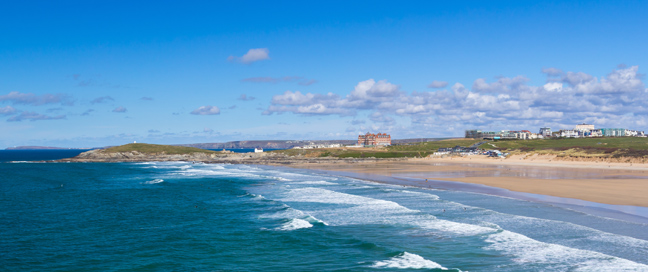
x,y
569,133
545,132
374,139
613,132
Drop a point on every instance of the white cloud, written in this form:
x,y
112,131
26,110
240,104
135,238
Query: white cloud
x,y
8,110
552,71
253,55
437,84
32,116
503,84
102,99
36,100
553,86
619,99
374,91
206,110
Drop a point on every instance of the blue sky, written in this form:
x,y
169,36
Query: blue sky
x,y
82,74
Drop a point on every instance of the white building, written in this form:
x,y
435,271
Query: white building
x,y
584,127
569,133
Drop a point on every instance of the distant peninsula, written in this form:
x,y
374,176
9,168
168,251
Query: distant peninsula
x,y
140,152
31,147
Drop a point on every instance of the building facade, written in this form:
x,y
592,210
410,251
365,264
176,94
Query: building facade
x,y
613,132
584,127
545,132
374,139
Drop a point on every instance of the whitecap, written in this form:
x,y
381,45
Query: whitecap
x,y
316,182
408,260
153,181
525,250
294,224
312,219
365,210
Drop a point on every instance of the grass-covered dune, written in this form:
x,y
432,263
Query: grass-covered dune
x,y
583,147
156,149
413,150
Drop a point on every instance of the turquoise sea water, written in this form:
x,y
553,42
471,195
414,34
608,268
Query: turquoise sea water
x,y
57,154
213,217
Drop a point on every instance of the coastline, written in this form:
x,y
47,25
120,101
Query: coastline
x,y
582,186
618,186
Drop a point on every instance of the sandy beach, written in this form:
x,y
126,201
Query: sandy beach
x,y
601,182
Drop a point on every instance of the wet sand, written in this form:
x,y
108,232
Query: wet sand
x,y
615,184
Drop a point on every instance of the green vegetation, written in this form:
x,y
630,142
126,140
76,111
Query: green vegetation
x,y
413,150
433,146
583,147
152,149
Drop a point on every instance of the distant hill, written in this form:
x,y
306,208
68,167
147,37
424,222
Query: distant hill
x,y
39,148
266,144
272,144
152,148
286,144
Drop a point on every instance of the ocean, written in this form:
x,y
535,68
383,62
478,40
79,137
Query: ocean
x,y
57,154
218,217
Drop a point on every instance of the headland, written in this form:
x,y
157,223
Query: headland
x,y
590,177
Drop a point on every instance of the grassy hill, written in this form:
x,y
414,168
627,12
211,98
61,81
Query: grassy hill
x,y
411,150
584,147
153,148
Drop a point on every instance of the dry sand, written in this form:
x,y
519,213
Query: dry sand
x,y
601,182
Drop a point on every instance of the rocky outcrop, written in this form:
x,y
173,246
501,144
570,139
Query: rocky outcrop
x,y
221,157
136,156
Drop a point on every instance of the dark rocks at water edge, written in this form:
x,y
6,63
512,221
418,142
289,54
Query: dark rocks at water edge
x,y
208,157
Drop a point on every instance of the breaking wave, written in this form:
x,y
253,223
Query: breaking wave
x,y
408,260
294,224
153,181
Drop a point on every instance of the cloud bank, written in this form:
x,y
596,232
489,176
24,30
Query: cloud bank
x,y
619,99
18,98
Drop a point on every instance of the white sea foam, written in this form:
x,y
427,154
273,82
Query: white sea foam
x,y
278,178
365,210
153,181
315,182
218,172
408,261
286,213
354,209
294,224
257,196
312,219
525,250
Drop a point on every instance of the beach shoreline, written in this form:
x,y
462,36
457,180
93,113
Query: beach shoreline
x,y
614,187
